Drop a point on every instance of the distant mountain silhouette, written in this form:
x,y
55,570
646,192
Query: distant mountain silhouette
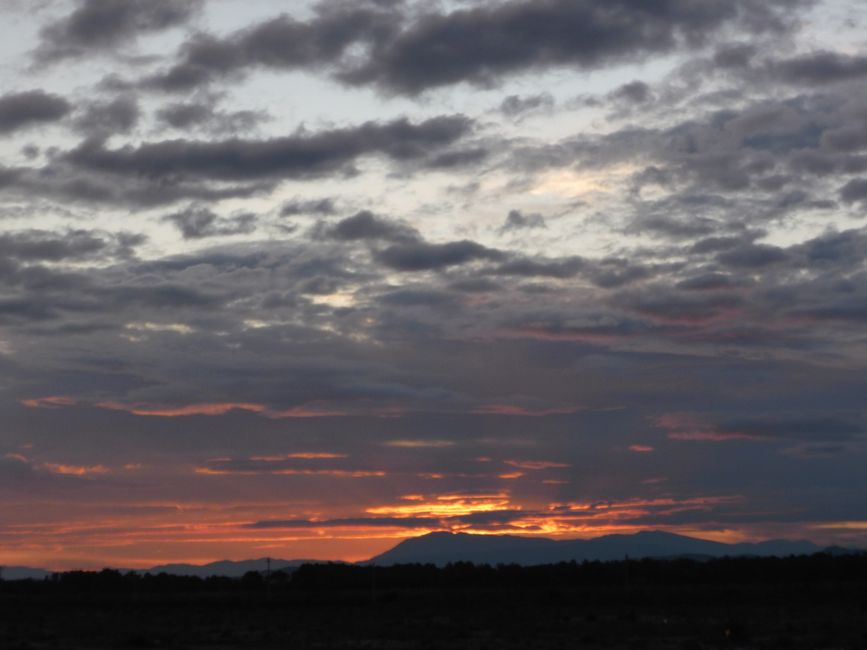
x,y
23,573
442,548
226,568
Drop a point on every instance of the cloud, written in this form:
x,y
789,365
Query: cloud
x,y
516,220
414,257
753,256
386,46
198,222
203,115
635,92
295,156
120,115
530,283
808,428
104,25
324,206
482,44
855,191
73,245
31,108
280,43
542,267
823,67
516,105
367,226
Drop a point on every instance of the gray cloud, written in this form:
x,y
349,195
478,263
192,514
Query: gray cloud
x,y
120,115
366,225
100,25
73,245
282,43
296,156
30,108
430,257
635,92
204,115
484,43
199,222
823,67
517,220
324,206
516,105
855,191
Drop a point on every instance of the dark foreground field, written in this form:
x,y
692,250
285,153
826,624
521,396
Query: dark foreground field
x,y
816,602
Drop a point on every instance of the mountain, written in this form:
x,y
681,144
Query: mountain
x,y
226,568
442,548
23,573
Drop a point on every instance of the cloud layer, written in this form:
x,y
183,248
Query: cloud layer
x,y
305,284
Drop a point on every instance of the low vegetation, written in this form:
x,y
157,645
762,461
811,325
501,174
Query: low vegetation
x,y
818,601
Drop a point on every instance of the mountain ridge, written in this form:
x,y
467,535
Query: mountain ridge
x,y
442,547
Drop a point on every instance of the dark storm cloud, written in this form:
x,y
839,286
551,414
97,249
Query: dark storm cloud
x,y
100,25
30,108
198,222
296,156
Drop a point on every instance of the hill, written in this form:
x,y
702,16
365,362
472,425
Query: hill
x,y
226,568
23,573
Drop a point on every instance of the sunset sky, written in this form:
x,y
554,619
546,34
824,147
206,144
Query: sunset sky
x,y
302,279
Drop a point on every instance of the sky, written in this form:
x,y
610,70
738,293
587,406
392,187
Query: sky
x,y
302,279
